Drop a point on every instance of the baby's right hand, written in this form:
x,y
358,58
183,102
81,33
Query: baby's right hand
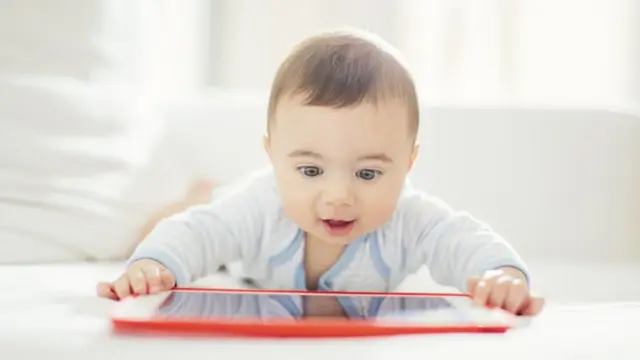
x,y
142,277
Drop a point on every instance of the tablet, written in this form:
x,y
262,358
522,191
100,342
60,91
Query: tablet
x,y
270,313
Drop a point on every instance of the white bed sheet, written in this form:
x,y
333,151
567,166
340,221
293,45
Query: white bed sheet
x,y
50,311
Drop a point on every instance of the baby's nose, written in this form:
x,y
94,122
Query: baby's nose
x,y
339,194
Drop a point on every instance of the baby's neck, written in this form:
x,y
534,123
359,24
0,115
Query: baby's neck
x,y
319,257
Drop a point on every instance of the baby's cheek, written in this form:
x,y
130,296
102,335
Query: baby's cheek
x,y
297,208
379,210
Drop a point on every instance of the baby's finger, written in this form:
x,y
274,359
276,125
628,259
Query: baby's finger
x,y
516,297
122,287
533,306
472,284
481,295
167,279
499,291
138,280
153,278
105,290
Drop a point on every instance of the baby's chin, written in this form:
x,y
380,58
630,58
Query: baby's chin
x,y
339,240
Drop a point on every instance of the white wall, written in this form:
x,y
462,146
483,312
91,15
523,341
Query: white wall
x,y
558,183
96,40
570,53
555,182
258,34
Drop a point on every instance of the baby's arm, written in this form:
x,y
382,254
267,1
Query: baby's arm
x,y
196,242
455,246
463,252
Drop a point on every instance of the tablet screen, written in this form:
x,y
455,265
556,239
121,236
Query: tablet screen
x,y
269,306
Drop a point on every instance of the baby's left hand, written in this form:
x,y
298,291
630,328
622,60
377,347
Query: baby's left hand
x,y
505,288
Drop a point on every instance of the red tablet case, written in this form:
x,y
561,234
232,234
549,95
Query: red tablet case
x,y
301,328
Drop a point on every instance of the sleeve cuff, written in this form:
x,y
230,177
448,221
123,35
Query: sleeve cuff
x,y
501,264
181,275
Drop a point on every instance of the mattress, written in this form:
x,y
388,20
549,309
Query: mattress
x,y
50,310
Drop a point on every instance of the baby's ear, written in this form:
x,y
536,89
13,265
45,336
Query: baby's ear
x,y
265,143
414,154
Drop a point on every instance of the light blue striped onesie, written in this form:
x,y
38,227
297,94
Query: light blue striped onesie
x,y
248,225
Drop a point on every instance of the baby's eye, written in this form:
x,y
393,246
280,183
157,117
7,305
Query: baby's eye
x,y
310,171
368,174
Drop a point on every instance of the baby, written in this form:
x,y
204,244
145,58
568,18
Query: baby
x,y
335,211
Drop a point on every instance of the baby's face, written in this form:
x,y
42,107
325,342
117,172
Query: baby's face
x,y
340,171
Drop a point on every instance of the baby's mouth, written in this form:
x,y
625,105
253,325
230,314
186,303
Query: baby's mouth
x,y
338,223
337,227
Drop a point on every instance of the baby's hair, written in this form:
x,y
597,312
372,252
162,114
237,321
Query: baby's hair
x,y
343,68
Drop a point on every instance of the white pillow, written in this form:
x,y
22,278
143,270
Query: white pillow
x,y
83,161
82,166
89,40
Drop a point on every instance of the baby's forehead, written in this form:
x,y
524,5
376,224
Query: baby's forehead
x,y
362,129
293,111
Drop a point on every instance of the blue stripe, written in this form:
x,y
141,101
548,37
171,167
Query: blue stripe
x,y
288,304
349,307
374,307
341,264
378,261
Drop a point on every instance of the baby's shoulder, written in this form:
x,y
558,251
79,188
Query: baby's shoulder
x,y
415,212
258,187
257,193
416,204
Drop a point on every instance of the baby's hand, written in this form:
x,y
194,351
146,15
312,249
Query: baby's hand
x,y
142,277
505,288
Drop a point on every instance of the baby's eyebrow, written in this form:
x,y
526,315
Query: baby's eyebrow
x,y
310,153
305,153
378,156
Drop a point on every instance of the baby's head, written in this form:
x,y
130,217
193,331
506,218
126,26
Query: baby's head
x,y
342,125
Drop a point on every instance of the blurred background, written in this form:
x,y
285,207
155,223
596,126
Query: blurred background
x,y
553,53
111,109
